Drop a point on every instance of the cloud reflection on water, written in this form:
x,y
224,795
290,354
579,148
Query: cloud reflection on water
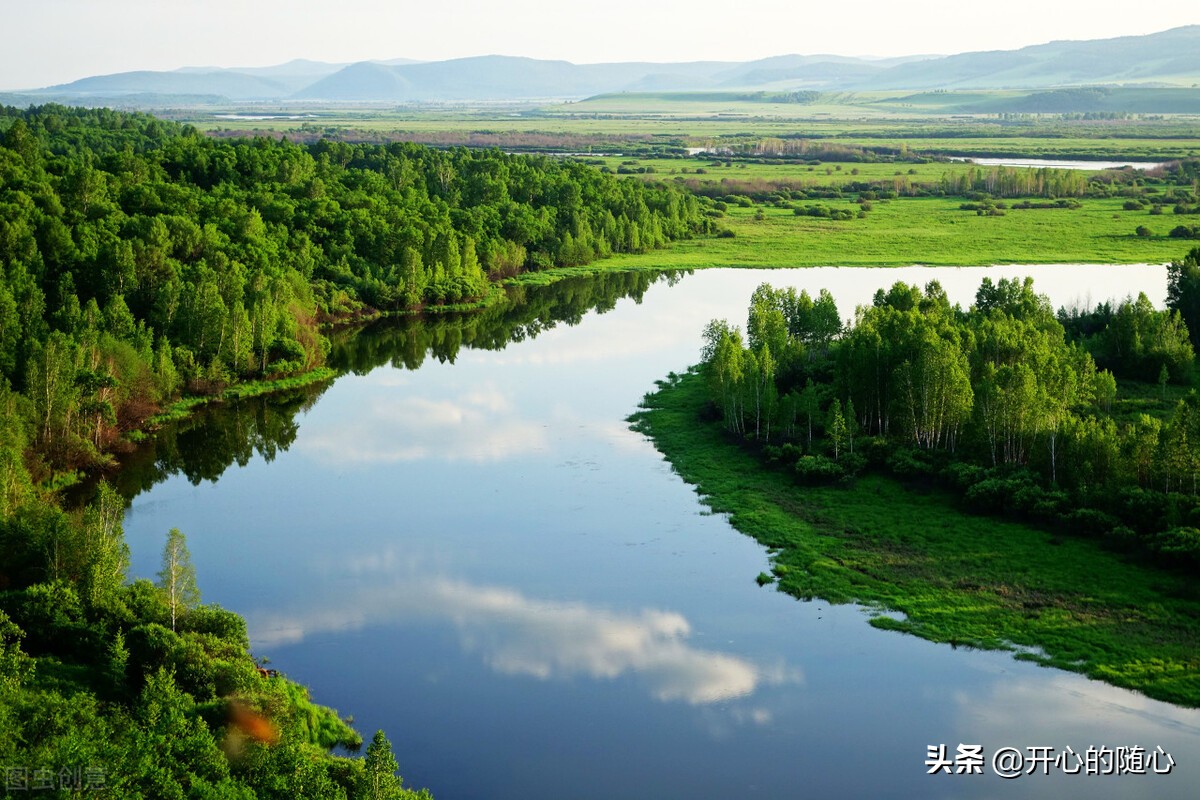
x,y
517,635
1059,702
481,425
1060,710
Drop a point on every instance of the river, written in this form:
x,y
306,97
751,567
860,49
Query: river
x,y
1038,163
461,542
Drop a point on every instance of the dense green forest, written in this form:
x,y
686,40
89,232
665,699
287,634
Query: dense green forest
x,y
1013,406
140,259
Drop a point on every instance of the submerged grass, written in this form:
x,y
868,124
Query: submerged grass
x,y
960,579
185,406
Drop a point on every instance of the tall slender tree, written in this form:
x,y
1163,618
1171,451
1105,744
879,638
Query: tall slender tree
x,y
177,579
836,428
379,775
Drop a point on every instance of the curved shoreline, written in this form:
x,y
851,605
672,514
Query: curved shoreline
x,y
957,578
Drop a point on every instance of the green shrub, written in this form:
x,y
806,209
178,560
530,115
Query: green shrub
x,y
991,495
818,469
1089,522
1181,542
905,462
853,463
962,475
218,622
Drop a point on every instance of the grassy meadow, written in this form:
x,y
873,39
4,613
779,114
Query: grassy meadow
x,y
955,578
715,170
930,231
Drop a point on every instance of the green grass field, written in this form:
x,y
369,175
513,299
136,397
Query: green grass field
x,y
1069,146
714,170
930,231
956,578
691,106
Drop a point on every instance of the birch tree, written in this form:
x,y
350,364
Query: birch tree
x,y
177,580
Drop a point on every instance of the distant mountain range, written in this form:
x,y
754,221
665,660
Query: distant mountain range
x,y
1169,58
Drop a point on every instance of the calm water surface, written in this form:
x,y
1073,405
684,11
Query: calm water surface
x,y
1037,163
479,557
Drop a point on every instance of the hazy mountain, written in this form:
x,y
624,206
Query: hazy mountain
x,y
477,78
226,83
671,82
395,61
507,77
130,101
233,83
363,81
504,78
788,62
299,67
1084,99
820,75
1170,58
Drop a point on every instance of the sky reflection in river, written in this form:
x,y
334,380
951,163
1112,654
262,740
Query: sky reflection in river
x,y
517,635
478,423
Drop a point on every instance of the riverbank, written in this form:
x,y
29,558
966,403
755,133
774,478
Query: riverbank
x,y
955,578
241,390
187,405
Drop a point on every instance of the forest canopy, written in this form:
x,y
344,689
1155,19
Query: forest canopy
x,y
139,257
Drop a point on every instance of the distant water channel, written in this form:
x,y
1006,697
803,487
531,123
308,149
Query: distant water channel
x,y
460,541
1037,163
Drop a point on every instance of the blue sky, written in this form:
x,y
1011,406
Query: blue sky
x,y
54,41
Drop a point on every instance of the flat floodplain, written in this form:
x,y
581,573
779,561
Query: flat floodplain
x,y
930,231
679,120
